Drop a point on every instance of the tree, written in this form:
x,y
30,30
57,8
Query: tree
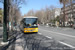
x,y
13,5
8,7
1,15
64,2
52,12
14,10
45,15
38,14
71,7
30,13
57,18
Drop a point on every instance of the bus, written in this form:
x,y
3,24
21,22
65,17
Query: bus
x,y
29,24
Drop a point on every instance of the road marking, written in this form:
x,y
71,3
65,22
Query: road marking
x,y
59,33
49,37
66,29
40,33
61,42
46,36
67,44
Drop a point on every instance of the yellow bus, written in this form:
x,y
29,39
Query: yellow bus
x,y
29,24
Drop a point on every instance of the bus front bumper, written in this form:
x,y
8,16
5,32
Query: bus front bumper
x,y
28,30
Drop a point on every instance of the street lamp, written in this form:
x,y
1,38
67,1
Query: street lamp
x,y
5,34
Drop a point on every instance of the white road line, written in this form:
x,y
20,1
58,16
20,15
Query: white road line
x,y
66,29
61,42
46,36
49,37
40,33
67,44
59,33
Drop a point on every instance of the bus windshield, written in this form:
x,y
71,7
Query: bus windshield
x,y
30,21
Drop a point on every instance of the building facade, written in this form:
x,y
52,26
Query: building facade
x,y
69,13
57,12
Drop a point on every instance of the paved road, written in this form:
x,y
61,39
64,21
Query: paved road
x,y
65,36
35,41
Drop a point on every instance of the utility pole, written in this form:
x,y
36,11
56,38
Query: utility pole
x,y
5,34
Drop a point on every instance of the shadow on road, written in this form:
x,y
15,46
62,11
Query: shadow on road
x,y
39,42
34,42
11,45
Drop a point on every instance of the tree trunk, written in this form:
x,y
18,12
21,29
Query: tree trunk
x,y
71,11
64,13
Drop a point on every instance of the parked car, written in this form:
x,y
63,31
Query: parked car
x,y
1,25
74,26
52,24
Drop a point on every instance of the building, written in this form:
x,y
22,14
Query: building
x,y
57,12
57,16
69,13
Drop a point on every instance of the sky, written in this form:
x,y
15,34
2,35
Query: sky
x,y
37,5
1,5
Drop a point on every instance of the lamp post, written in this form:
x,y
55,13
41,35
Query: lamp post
x,y
5,35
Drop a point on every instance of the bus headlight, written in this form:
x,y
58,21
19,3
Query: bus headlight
x,y
34,24
25,30
36,29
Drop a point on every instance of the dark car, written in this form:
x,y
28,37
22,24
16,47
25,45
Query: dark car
x,y
1,25
74,26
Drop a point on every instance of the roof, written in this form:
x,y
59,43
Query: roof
x,y
30,17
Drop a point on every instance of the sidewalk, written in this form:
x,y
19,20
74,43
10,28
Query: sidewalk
x,y
1,39
0,43
13,41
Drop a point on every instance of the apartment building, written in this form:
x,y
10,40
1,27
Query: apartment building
x,y
69,13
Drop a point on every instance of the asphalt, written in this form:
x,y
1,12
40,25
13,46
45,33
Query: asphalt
x,y
34,41
65,35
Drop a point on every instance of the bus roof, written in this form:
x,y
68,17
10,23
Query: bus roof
x,y
30,17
